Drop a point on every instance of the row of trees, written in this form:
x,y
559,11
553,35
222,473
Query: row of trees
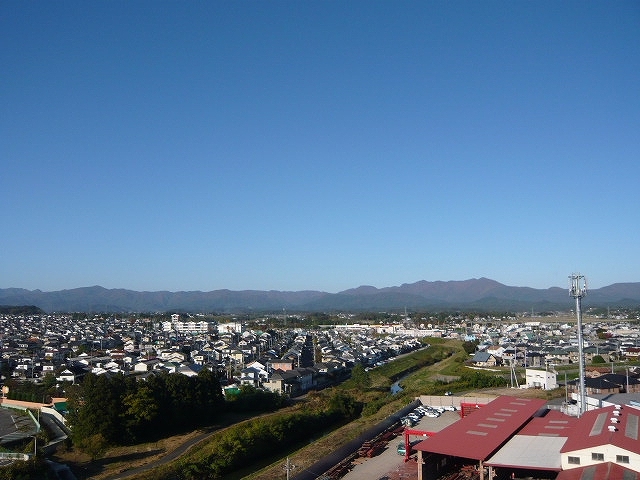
x,y
118,409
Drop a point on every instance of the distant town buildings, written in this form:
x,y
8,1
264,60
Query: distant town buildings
x,y
294,360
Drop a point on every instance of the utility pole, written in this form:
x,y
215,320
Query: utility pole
x,y
578,289
289,467
627,380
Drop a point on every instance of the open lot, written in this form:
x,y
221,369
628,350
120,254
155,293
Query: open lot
x,y
388,465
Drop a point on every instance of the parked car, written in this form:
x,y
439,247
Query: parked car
x,y
401,448
407,422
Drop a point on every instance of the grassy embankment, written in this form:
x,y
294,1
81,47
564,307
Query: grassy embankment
x,y
423,372
375,397
379,403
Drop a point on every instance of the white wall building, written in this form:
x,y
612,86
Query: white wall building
x,y
187,327
543,379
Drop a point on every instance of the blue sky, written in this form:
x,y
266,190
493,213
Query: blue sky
x,y
288,145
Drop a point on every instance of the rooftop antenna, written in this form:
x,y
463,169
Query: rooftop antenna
x,y
578,289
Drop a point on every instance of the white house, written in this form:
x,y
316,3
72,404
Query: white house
x,y
543,379
66,376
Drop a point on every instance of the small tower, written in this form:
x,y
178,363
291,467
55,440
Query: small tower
x,y
578,289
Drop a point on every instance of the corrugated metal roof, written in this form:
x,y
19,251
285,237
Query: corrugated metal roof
x,y
553,423
481,433
537,445
601,471
606,426
529,451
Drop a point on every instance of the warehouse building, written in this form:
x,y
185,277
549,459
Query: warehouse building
x,y
522,438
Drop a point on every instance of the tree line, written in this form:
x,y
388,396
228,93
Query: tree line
x,y
106,410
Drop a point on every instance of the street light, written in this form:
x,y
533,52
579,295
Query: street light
x,y
288,467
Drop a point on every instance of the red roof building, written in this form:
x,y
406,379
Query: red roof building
x,y
537,446
605,435
480,434
601,471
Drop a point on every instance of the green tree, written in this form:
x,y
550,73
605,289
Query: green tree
x,y
94,445
470,346
96,405
343,405
597,359
141,410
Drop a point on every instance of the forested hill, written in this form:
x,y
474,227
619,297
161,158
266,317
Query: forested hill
x,y
474,294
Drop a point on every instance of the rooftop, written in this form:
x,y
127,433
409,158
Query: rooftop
x,y
480,434
537,446
606,426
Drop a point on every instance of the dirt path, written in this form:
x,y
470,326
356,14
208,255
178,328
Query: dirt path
x,y
169,457
122,462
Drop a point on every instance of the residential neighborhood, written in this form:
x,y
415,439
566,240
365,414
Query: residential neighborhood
x,y
293,361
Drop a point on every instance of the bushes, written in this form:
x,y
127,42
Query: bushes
x,y
251,441
481,380
250,399
35,469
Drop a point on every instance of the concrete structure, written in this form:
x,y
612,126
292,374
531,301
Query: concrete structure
x,y
543,379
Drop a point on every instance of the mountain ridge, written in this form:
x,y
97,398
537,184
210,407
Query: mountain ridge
x,y
476,293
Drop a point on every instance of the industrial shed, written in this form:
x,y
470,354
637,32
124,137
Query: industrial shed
x,y
537,446
477,436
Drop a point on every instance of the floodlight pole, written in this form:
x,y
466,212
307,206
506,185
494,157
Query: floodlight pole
x,y
578,289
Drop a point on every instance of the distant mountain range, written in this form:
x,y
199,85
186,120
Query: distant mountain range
x,y
474,294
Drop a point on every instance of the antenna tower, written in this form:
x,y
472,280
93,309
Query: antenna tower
x,y
578,289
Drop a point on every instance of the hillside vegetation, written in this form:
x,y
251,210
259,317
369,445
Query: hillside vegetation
x,y
313,426
334,416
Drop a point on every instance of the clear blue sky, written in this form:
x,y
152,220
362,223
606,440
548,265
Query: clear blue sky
x,y
293,145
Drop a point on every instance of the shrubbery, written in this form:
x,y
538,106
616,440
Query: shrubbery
x,y
251,441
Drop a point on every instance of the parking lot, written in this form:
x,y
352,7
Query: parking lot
x,y
389,465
